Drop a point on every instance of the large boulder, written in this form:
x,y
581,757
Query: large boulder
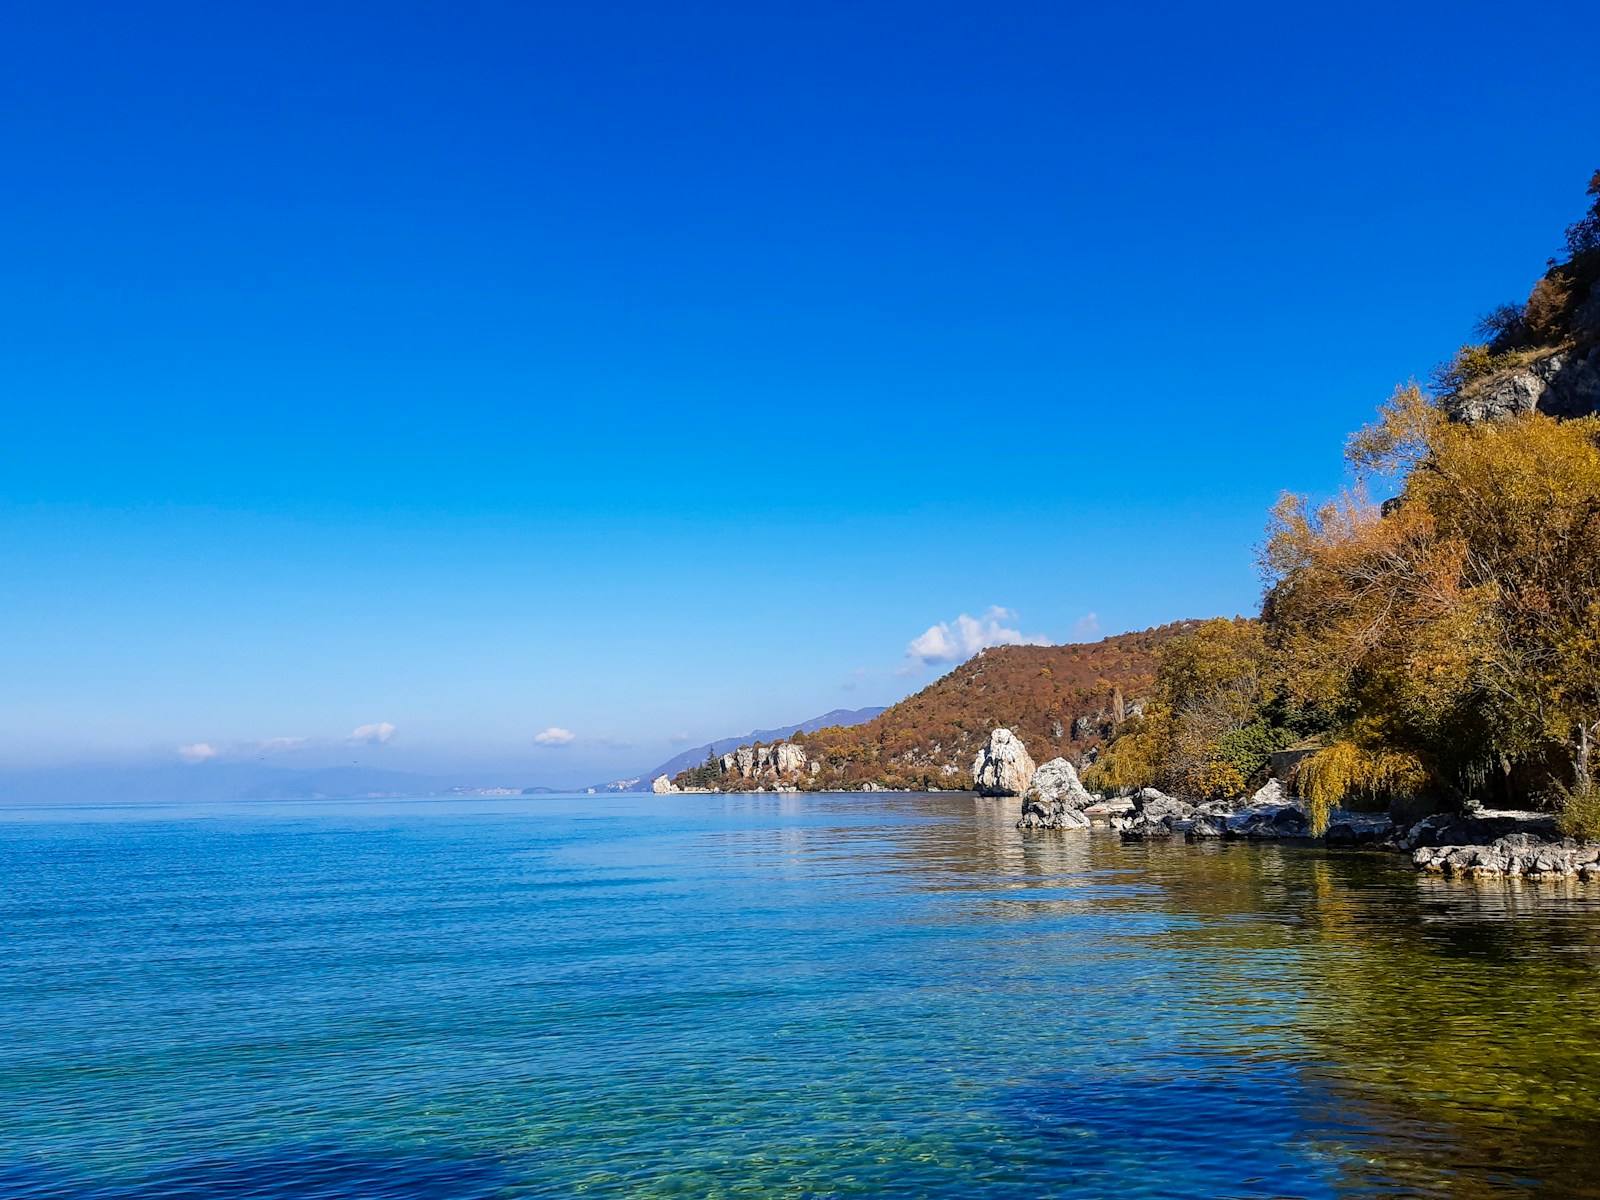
x,y
1055,799
662,786
1002,767
1057,783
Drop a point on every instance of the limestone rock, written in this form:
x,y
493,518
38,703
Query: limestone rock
x,y
1478,828
1155,815
1057,782
1359,829
1002,767
780,762
1270,821
1560,384
1037,814
1055,799
662,786
1105,811
1516,854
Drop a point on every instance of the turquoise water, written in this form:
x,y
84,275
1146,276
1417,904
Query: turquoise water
x,y
768,996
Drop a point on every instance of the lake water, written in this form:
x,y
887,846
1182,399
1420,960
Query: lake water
x,y
769,996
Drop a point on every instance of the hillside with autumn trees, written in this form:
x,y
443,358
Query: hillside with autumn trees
x,y
1429,639
1062,700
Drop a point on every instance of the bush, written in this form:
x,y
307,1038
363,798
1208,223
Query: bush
x,y
1247,750
1579,814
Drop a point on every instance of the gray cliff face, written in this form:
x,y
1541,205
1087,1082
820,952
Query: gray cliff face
x,y
1055,799
1563,383
1002,767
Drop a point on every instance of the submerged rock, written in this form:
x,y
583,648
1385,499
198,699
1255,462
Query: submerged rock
x,y
1002,767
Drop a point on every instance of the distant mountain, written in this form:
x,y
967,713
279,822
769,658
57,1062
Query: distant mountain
x,y
179,783
841,717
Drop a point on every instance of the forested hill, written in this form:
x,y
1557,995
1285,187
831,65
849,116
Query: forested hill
x,y
1058,699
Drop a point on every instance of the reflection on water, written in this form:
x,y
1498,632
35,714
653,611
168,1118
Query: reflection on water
x,y
770,995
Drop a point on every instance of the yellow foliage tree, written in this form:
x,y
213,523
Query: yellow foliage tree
x,y
1459,632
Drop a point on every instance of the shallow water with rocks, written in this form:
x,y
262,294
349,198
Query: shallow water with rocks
x,y
796,995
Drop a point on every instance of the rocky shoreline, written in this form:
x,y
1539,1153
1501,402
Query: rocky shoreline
x,y
1483,844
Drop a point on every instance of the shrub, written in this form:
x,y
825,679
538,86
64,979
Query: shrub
x,y
1246,750
1579,813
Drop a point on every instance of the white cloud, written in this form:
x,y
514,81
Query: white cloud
x,y
679,739
197,752
278,745
1088,626
374,735
951,641
554,736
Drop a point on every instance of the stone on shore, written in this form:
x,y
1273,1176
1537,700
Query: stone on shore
x,y
663,786
1155,815
1523,855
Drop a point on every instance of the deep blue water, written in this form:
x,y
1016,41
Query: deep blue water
x,y
768,996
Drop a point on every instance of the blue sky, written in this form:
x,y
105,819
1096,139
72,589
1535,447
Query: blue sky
x,y
648,371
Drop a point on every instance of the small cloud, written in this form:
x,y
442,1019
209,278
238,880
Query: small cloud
x,y
554,736
616,743
1088,626
197,752
279,745
952,641
374,735
680,739
857,678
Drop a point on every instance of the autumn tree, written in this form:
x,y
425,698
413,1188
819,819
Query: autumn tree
x,y
1458,636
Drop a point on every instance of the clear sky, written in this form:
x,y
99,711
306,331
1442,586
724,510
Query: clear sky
x,y
659,371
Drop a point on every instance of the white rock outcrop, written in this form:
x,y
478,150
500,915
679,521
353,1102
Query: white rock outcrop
x,y
1002,767
780,761
662,786
1057,782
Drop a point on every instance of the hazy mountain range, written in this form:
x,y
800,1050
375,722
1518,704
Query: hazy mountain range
x,y
693,758
182,783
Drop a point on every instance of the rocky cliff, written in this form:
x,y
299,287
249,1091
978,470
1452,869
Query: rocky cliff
x,y
1559,383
